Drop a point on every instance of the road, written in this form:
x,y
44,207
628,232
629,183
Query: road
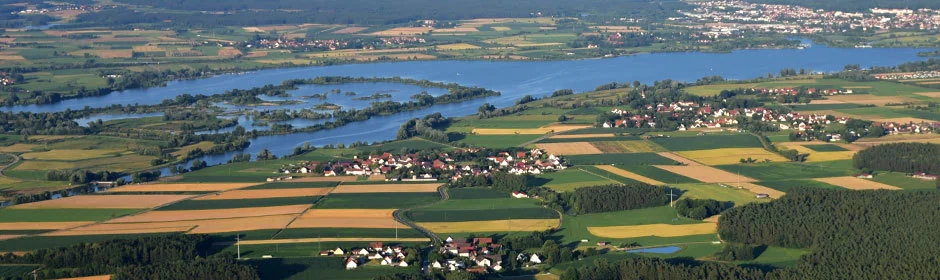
x,y
398,217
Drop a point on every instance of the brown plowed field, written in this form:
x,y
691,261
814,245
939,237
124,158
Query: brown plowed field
x,y
705,174
571,148
853,183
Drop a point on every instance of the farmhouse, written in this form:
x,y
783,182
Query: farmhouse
x,y
351,263
924,176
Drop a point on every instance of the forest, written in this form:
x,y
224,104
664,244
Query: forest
x,y
900,157
895,238
616,197
176,256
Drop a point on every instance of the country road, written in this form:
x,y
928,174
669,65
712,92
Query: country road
x,y
3,168
398,217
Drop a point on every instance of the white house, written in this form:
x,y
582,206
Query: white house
x,y
377,256
339,251
351,264
403,264
519,195
535,259
387,261
363,252
436,264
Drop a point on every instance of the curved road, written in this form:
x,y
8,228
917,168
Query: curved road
x,y
399,218
15,160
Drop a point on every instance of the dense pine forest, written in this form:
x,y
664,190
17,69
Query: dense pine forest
x,y
901,157
616,197
853,235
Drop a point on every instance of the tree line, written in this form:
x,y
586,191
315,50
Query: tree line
x,y
900,157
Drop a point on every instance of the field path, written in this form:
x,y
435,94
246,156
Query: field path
x,y
16,159
630,175
399,218
602,176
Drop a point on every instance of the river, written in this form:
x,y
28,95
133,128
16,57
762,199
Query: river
x,y
513,79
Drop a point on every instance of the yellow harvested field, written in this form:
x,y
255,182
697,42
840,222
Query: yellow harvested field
x,y
457,46
870,99
815,156
347,218
576,136
853,183
659,230
69,155
182,187
18,148
105,202
633,146
757,189
324,179
826,101
491,226
11,57
386,188
730,155
935,94
705,174
41,225
677,158
570,148
334,239
229,51
629,174
501,28
195,226
273,193
184,215
712,219
350,30
918,138
204,145
97,277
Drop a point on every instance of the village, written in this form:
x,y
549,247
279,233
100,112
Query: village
x,y
423,167
730,18
376,252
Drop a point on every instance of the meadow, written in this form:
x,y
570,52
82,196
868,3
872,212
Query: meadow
x,y
377,200
574,228
62,215
292,185
658,174
781,171
239,203
716,192
497,141
291,233
904,181
708,142
569,179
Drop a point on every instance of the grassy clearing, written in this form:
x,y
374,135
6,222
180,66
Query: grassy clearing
x,y
474,193
904,181
658,174
708,142
621,159
782,171
410,144
62,215
569,179
376,200
778,257
239,203
717,192
787,185
574,228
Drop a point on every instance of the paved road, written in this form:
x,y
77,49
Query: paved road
x,y
398,217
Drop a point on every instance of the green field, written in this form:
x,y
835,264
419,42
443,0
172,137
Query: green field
x,y
781,171
826,148
287,185
474,193
319,268
376,200
569,179
404,232
609,175
904,181
239,203
497,141
589,139
778,257
410,144
480,215
574,228
658,174
716,192
820,107
787,185
621,159
260,234
62,215
708,142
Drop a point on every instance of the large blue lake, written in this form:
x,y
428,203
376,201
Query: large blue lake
x,y
513,79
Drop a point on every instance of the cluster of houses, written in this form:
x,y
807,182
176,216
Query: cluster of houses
x,y
707,117
384,255
533,161
907,75
330,44
477,255
798,91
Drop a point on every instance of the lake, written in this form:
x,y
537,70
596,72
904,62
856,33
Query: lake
x,y
657,250
513,79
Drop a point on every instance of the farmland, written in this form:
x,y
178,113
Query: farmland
x,y
785,171
708,142
104,202
731,155
716,192
657,230
525,225
570,179
376,200
621,159
239,203
658,174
